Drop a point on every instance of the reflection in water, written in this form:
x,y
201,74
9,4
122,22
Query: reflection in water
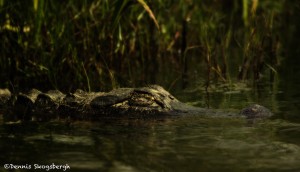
x,y
181,144
191,143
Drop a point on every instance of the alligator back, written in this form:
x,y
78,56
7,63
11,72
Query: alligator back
x,y
145,102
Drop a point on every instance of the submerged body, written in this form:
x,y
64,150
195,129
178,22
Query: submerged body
x,y
144,102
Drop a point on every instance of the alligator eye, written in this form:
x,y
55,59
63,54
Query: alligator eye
x,y
171,97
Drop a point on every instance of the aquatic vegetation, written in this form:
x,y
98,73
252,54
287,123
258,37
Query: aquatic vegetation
x,y
101,44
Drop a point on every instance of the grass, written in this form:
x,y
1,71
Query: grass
x,y
101,44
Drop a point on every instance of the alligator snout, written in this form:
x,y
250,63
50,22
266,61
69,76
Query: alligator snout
x,y
256,111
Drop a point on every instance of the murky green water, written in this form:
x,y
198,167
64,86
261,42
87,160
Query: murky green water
x,y
184,144
191,143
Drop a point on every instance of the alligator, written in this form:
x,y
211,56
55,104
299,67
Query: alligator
x,y
145,102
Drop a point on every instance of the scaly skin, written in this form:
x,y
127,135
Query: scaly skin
x,y
144,102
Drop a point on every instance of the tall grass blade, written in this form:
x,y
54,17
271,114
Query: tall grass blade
x,y
1,3
149,11
35,4
39,20
245,12
119,7
87,77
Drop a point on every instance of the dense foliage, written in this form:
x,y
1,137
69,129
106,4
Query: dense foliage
x,y
102,44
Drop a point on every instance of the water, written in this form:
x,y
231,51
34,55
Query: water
x,y
190,143
184,144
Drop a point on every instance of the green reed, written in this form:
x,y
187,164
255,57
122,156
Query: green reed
x,y
103,44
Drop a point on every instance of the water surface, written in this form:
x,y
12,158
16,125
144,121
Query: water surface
x,y
192,143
